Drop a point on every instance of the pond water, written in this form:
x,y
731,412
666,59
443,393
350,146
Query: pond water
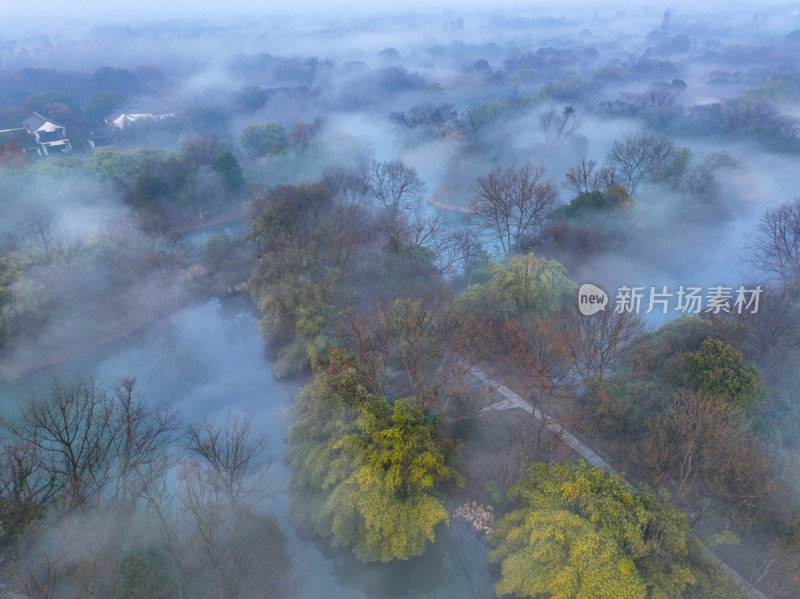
x,y
207,359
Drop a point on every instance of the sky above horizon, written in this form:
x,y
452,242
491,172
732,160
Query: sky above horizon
x,y
18,17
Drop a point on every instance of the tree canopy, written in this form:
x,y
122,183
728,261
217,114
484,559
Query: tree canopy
x,y
529,285
719,369
578,532
365,469
259,140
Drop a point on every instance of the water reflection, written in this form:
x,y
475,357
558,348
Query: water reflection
x,y
456,565
171,358
209,358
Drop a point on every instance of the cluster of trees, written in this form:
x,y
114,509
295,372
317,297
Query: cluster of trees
x,y
703,403
749,117
640,158
390,310
689,404
101,496
473,127
525,314
47,274
512,204
576,532
366,471
332,247
684,395
370,455
27,90
515,209
202,180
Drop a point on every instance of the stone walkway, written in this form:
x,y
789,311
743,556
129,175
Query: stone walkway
x,y
513,400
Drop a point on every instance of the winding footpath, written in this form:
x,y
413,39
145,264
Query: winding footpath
x,y
512,400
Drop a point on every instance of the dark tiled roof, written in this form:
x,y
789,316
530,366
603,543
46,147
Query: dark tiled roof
x,y
25,140
33,122
36,120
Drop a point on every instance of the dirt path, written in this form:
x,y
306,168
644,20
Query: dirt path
x,y
513,400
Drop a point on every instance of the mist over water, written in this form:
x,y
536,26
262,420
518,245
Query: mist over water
x,y
208,359
138,251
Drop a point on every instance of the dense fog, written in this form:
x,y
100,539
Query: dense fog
x,y
403,202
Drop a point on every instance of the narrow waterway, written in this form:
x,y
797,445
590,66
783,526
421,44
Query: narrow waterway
x,y
209,358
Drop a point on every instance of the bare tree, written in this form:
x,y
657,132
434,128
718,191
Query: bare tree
x,y
702,446
397,190
233,452
514,440
73,431
347,228
637,158
437,116
424,348
676,173
584,177
347,185
748,115
40,244
302,134
42,580
656,96
221,487
580,178
775,243
511,205
426,236
469,254
774,328
202,149
536,353
94,452
559,125
141,441
25,490
539,352
80,441
143,242
393,185
702,184
596,341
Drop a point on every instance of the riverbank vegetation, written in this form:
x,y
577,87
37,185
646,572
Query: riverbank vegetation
x,y
411,222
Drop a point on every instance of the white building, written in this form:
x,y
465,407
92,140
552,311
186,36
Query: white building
x,y
123,120
50,136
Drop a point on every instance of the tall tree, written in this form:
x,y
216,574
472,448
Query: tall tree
x,y
259,140
221,488
637,158
510,205
775,243
558,126
584,177
576,532
393,185
427,340
364,470
719,369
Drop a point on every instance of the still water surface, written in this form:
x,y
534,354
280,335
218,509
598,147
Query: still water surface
x,y
209,358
